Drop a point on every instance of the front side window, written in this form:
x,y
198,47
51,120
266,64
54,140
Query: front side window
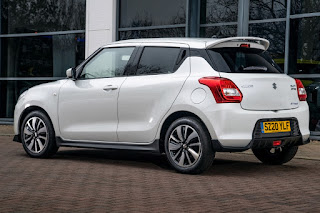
x,y
243,60
108,63
158,60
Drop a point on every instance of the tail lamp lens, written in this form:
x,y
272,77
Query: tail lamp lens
x,y
223,89
302,93
245,45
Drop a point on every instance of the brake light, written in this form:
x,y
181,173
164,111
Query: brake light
x,y
223,89
302,93
245,45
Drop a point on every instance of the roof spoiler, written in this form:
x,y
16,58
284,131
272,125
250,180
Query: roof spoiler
x,y
255,42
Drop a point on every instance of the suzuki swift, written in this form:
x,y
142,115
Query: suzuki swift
x,y
187,98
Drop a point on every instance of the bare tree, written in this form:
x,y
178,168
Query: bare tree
x,y
46,15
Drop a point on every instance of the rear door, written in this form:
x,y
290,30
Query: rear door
x,y
262,83
147,94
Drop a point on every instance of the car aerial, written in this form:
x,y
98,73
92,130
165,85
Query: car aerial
x,y
186,97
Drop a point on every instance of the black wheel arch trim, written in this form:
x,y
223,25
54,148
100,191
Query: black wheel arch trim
x,y
30,109
17,138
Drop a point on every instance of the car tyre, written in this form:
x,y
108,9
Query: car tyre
x,y
188,146
276,156
37,135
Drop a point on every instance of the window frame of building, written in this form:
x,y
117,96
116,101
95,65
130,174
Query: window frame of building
x,y
15,80
193,25
120,29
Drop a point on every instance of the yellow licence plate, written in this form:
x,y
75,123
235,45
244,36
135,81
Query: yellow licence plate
x,y
275,126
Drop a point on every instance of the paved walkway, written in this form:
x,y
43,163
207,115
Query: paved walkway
x,y
6,130
88,180
311,151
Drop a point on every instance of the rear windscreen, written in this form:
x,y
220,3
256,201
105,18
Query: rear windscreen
x,y
243,60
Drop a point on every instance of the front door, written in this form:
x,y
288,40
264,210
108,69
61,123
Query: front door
x,y
88,106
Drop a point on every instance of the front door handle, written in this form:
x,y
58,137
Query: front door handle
x,y
110,87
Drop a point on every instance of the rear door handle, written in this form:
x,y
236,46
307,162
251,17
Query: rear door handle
x,y
110,87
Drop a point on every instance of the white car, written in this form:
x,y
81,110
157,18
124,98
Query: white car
x,y
187,98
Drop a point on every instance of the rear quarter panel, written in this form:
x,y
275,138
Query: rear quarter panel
x,y
195,97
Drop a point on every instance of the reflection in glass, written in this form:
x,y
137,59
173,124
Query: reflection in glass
x,y
305,6
157,33
9,94
216,11
267,9
141,13
41,56
19,16
275,33
218,32
243,60
304,55
157,60
108,63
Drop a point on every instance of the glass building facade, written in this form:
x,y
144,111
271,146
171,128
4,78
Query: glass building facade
x,y
39,40
291,26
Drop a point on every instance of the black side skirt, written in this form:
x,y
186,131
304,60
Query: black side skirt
x,y
152,147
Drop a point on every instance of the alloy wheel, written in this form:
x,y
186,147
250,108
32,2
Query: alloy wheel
x,y
184,146
35,134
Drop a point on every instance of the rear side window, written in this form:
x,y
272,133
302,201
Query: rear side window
x,y
158,60
243,60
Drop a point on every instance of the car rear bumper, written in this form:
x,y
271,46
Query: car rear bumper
x,y
263,143
268,142
235,127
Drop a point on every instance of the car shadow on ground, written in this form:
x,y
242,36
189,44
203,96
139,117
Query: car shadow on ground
x,y
105,156
221,165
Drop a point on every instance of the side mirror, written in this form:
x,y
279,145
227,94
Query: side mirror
x,y
71,73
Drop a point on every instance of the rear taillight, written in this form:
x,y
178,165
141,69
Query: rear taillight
x,y
302,93
223,89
